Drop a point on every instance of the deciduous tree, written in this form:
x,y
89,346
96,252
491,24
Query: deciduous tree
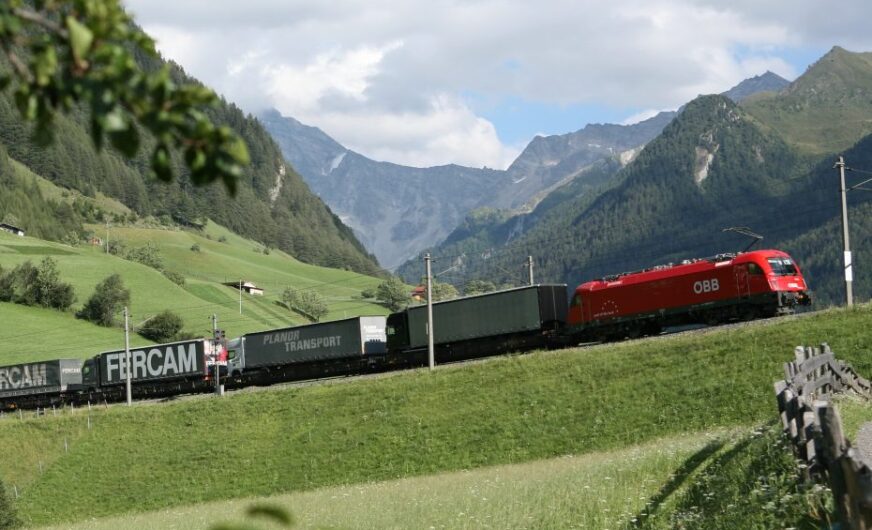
x,y
393,293
109,297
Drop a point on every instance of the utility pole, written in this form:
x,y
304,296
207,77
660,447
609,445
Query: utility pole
x,y
127,355
430,352
530,268
240,296
216,351
849,271
107,236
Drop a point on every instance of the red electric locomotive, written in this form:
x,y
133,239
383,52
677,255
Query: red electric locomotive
x,y
711,290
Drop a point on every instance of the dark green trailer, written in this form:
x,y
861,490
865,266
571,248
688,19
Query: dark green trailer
x,y
341,347
352,337
39,383
486,324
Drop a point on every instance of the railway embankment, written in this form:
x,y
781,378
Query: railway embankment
x,y
502,411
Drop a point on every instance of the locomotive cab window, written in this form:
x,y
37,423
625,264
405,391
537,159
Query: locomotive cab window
x,y
782,266
755,269
576,300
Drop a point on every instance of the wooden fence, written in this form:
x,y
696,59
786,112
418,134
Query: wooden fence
x,y
813,424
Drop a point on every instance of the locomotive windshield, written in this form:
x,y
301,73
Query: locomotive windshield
x,y
783,266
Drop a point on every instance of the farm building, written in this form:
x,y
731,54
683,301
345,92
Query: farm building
x,y
11,229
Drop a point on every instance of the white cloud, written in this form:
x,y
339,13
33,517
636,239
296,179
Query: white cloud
x,y
345,73
422,138
387,78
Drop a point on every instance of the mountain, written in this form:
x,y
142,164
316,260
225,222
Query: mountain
x,y
768,82
607,150
550,161
825,110
273,204
711,168
397,211
716,165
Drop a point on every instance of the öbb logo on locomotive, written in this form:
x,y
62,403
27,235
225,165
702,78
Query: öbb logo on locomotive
x,y
722,288
706,286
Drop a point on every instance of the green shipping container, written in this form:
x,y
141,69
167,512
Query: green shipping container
x,y
524,309
339,339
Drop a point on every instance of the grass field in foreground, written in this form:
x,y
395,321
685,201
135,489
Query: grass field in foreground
x,y
597,491
699,481
502,411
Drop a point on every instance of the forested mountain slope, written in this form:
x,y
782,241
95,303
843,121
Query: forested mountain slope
x,y
273,205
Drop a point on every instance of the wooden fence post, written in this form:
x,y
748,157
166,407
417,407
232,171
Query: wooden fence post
x,y
833,447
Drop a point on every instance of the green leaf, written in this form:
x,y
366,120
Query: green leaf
x,y
237,149
160,163
115,121
45,63
276,513
81,38
126,140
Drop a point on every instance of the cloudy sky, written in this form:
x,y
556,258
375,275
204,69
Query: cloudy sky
x,y
429,82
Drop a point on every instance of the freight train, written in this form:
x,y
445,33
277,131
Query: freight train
x,y
721,288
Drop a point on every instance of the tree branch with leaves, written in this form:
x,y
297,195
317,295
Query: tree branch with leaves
x,y
65,53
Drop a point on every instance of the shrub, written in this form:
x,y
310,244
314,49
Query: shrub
x,y
117,247
222,239
108,299
175,277
307,303
149,255
165,327
393,294
368,293
195,247
478,287
36,286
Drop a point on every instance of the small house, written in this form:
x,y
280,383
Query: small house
x,y
419,293
6,227
246,287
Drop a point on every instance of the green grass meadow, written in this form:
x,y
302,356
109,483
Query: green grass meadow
x,y
595,490
503,411
41,335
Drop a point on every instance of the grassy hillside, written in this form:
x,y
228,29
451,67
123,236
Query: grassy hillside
x,y
503,411
61,335
827,109
714,480
596,490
